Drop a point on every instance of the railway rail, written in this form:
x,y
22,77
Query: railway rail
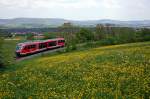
x,y
18,59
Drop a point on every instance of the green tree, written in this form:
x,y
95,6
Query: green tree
x,y
30,36
49,35
85,35
100,32
126,34
145,34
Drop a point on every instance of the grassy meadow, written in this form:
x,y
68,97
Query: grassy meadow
x,y
9,51
110,72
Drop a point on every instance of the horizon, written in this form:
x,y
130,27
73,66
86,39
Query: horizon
x,y
76,9
72,19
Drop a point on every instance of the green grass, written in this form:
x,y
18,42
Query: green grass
x,y
118,71
9,51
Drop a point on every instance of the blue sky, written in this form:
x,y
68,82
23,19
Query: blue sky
x,y
77,9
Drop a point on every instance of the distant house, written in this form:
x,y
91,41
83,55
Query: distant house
x,y
67,24
39,36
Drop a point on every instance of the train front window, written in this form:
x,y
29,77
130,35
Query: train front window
x,y
18,47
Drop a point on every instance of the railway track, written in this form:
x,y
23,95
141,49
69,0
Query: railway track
x,y
38,54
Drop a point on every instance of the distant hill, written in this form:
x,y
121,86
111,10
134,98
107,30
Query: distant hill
x,y
31,22
55,22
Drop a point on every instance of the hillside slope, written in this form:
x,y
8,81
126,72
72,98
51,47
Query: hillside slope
x,y
119,71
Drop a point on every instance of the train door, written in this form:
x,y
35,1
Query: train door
x,y
42,46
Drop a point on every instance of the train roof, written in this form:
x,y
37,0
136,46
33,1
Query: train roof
x,y
39,41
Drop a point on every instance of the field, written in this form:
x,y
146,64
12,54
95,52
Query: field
x,y
117,71
9,50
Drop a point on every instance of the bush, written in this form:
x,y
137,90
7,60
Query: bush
x,y
71,46
111,41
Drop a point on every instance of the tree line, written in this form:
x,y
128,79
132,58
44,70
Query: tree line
x,y
104,35
107,35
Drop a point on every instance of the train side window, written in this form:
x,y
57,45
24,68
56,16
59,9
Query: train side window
x,y
29,47
61,41
26,47
33,46
44,45
52,43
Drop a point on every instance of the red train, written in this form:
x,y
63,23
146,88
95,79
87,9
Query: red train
x,y
27,48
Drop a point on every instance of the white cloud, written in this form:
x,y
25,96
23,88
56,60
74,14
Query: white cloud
x,y
49,3
65,4
111,4
76,9
74,3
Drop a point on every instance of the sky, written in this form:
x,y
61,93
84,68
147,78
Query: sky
x,y
76,9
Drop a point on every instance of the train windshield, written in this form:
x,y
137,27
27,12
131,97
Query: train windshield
x,y
18,47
